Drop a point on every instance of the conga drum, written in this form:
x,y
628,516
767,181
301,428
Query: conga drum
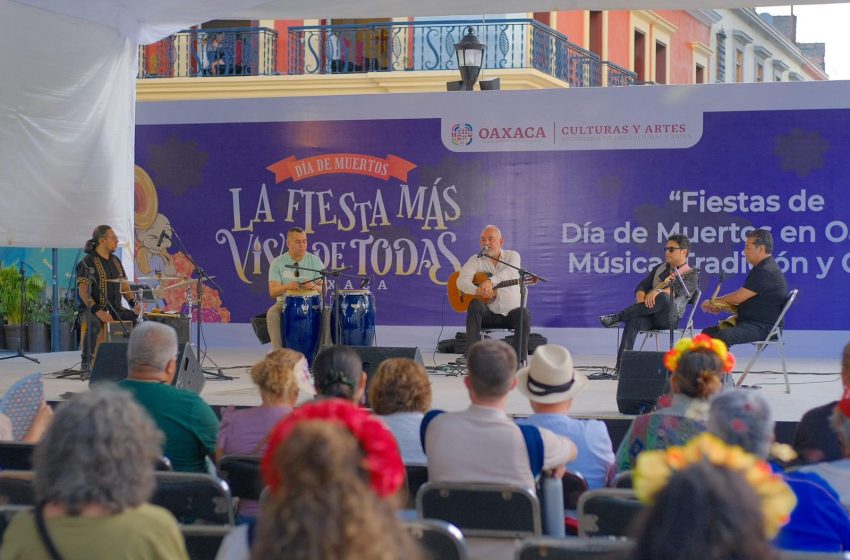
x,y
301,321
356,318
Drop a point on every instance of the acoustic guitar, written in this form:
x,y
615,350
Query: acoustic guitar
x,y
722,306
460,301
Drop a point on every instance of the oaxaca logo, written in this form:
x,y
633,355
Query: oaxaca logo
x,y
512,133
462,134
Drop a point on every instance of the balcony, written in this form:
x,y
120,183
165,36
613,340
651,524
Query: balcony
x,y
249,51
429,45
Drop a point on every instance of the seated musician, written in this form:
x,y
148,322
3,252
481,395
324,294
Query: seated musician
x,y
101,286
497,308
651,309
284,278
758,302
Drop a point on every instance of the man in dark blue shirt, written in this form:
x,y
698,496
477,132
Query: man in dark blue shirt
x,y
760,300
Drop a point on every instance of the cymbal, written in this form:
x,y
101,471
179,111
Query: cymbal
x,y
152,278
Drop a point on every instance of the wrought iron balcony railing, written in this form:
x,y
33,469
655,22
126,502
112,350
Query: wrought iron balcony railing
x,y
619,76
429,45
248,51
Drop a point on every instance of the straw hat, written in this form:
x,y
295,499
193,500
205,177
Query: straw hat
x,y
550,377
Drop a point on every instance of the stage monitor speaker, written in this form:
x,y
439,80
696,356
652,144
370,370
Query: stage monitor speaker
x,y
372,356
643,378
110,364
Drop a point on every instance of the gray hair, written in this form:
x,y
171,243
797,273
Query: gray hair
x,y
492,366
742,417
100,449
841,425
152,345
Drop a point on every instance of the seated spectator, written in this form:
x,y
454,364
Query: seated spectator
x,y
338,373
698,367
819,523
400,395
482,444
333,472
189,424
551,383
708,502
837,472
815,439
94,472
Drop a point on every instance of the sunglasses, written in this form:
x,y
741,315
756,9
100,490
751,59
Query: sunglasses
x,y
671,249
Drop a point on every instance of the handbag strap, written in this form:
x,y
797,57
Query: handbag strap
x,y
42,532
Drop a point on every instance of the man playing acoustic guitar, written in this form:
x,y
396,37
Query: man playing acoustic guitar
x,y
494,308
651,309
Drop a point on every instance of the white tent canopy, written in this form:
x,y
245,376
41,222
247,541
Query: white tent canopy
x,y
67,95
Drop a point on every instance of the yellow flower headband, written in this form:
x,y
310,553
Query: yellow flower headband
x,y
700,341
654,469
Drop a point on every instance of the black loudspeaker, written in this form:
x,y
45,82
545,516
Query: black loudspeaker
x,y
111,365
643,378
372,356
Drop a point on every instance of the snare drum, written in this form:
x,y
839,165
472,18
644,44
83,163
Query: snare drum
x,y
300,322
357,322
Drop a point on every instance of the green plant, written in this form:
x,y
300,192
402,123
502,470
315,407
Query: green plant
x,y
39,311
67,310
10,292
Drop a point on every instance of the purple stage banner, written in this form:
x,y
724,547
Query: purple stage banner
x,y
403,201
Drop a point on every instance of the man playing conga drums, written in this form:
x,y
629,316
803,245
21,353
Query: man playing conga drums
x,y
283,279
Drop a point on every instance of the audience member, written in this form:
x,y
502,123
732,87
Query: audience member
x,y
815,439
551,383
708,501
400,394
482,444
338,373
189,424
819,522
40,422
333,472
698,367
837,472
94,472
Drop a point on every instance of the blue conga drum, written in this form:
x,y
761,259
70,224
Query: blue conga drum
x,y
301,322
357,318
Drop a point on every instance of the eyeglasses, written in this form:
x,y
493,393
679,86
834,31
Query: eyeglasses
x,y
671,249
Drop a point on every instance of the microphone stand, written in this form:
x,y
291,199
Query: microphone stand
x,y
681,283
524,275
336,273
202,277
20,353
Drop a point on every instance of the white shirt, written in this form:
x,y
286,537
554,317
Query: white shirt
x,y
507,298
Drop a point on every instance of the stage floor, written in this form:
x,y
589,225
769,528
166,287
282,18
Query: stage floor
x,y
813,382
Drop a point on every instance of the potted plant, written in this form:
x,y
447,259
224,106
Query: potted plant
x,y
67,317
38,320
10,302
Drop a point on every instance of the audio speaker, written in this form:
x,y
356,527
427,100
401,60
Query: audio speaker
x,y
110,364
372,356
643,378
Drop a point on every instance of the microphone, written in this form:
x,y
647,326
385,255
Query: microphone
x,y
162,236
482,252
365,282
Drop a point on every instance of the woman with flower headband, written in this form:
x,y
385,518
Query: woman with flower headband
x,y
698,365
708,501
333,472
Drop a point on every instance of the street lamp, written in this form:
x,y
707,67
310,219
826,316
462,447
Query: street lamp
x,y
470,55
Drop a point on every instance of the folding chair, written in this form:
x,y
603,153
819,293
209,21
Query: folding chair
x,y
439,540
607,512
574,486
482,510
622,480
203,541
17,488
574,549
774,337
194,497
16,455
242,473
688,329
415,477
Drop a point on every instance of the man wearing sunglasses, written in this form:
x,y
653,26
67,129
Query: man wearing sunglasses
x,y
654,294
283,278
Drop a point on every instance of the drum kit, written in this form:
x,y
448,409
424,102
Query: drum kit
x,y
145,295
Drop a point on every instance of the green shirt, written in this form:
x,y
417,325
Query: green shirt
x,y
189,424
279,273
147,532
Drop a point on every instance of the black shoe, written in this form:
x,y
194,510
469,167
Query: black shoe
x,y
609,321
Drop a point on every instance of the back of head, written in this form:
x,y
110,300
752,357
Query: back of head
x,y
742,417
100,449
400,385
492,368
337,370
152,345
705,512
324,508
275,374
699,374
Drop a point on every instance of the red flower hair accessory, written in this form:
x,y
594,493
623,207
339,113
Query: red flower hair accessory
x,y
699,342
844,403
382,457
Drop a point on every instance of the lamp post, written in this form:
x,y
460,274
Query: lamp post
x,y
470,54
